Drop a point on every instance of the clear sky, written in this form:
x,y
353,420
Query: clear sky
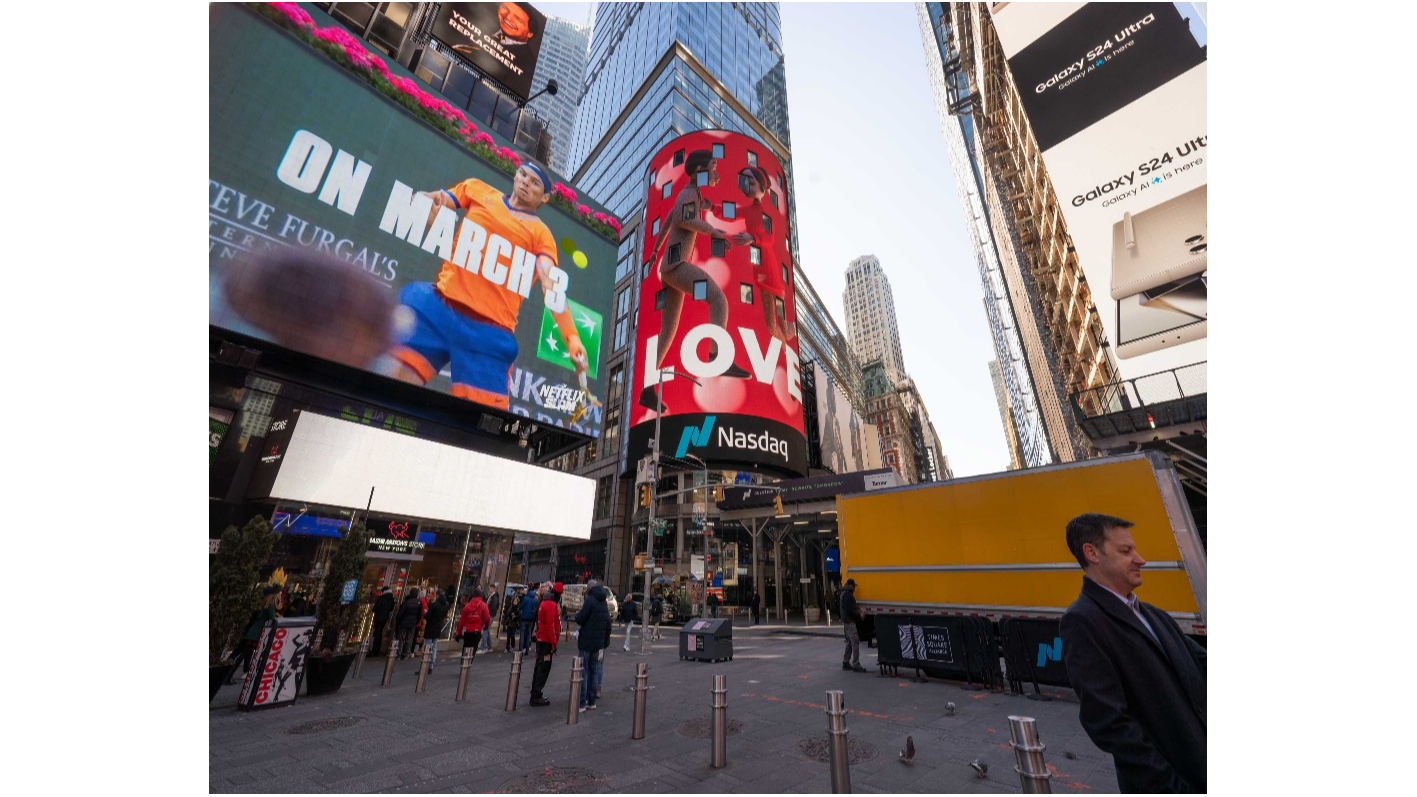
x,y
873,177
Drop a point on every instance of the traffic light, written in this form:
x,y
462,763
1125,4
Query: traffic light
x,y
777,505
644,495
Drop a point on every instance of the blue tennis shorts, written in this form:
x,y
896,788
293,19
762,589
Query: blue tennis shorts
x,y
481,354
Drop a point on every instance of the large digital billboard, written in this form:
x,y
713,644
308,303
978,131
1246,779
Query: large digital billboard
x,y
848,442
344,226
501,39
716,305
1116,95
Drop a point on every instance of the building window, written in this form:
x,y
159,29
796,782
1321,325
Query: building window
x,y
781,308
654,228
772,197
730,210
679,158
622,303
620,333
745,293
718,150
785,274
755,255
752,158
701,179
673,254
718,247
700,290
767,223
665,189
659,299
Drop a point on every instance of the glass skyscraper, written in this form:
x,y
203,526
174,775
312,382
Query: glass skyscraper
x,y
562,58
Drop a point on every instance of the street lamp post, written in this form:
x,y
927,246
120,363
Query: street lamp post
x,y
654,484
700,610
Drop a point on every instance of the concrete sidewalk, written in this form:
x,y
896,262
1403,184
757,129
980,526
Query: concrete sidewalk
x,y
369,738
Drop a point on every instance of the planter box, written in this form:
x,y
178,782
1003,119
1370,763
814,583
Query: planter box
x,y
325,674
813,615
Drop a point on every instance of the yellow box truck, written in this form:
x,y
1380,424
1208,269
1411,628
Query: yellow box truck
x,y
994,545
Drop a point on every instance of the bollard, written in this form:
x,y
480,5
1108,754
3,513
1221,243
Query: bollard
x,y
462,673
573,714
389,665
641,694
423,670
1028,756
836,743
719,722
514,681
359,658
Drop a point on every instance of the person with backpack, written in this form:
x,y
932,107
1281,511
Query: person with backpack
x,y
594,622
409,616
656,614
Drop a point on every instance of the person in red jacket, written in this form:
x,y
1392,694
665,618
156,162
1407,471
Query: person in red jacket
x,y
475,619
548,630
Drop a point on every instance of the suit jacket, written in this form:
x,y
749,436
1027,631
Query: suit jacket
x,y
1143,699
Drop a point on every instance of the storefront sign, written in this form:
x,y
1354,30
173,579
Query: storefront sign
x,y
395,536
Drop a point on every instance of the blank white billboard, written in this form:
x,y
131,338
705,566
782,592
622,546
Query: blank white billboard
x,y
335,463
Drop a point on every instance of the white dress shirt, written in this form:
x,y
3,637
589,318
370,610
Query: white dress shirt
x,y
1134,604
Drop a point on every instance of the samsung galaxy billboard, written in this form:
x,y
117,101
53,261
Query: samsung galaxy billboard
x,y
345,226
1116,96
716,306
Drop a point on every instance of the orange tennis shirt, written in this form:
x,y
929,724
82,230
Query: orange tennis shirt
x,y
498,254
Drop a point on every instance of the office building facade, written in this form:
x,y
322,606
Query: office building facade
x,y
1006,413
870,316
563,59
1047,334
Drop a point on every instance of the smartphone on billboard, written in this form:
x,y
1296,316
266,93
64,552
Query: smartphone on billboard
x,y
1166,316
1160,245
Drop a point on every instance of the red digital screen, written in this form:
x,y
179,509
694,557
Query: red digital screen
x,y
716,305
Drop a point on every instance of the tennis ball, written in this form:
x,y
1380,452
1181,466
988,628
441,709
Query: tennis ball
x,y
579,259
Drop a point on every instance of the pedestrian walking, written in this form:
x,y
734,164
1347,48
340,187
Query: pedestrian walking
x,y
594,622
406,622
628,614
433,623
511,617
383,610
656,615
473,622
757,608
713,602
494,604
850,616
548,631
1140,682
531,605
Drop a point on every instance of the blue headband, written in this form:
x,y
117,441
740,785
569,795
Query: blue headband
x,y
545,183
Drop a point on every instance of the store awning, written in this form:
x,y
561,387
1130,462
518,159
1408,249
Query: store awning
x,y
326,461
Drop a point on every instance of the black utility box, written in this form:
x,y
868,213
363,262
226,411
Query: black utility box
x,y
706,639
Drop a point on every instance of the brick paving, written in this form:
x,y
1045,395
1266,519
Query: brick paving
x,y
778,679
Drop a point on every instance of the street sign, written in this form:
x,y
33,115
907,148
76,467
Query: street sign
x,y
805,580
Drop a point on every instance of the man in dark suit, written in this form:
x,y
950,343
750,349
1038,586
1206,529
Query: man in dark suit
x,y
383,609
1141,681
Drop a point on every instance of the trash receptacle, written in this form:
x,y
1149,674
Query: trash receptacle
x,y
706,640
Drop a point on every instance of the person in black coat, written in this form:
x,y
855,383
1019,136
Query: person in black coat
x,y
410,614
850,616
433,627
1140,681
594,622
383,609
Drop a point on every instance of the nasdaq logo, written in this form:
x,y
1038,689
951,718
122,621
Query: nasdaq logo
x,y
695,437
1047,653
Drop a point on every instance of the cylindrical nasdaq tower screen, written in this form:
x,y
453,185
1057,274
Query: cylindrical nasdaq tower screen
x,y
716,305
